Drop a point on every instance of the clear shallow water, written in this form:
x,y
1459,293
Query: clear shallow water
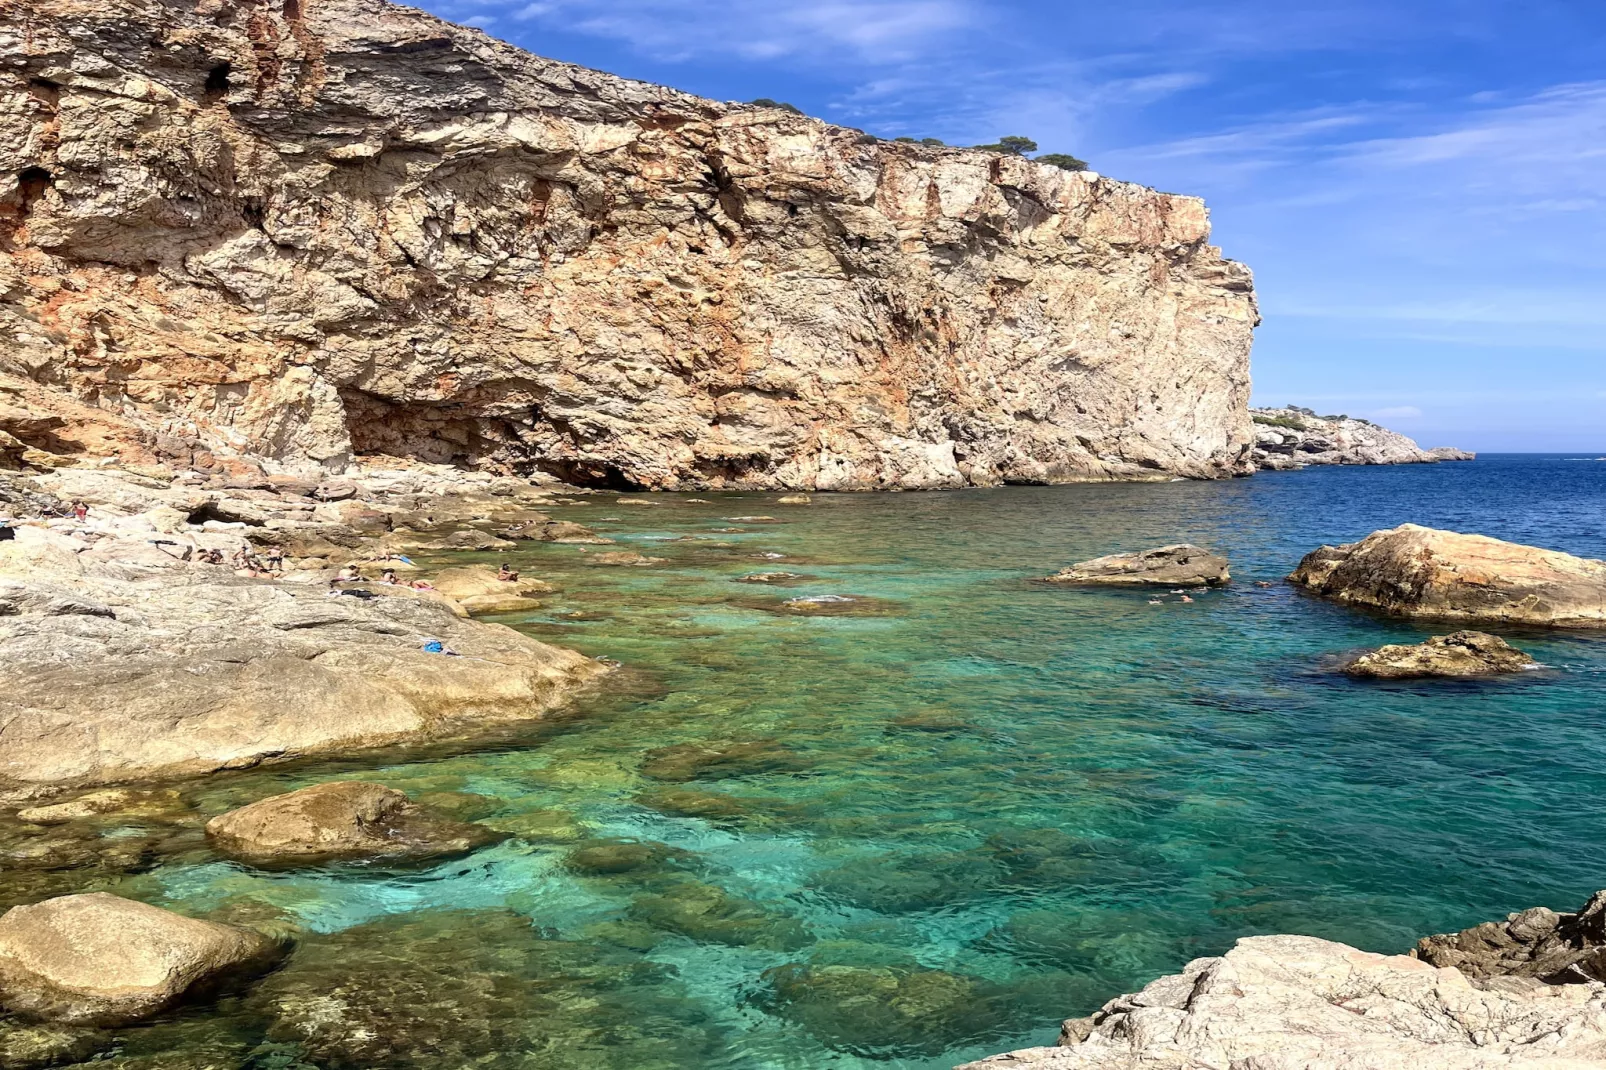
x,y
929,832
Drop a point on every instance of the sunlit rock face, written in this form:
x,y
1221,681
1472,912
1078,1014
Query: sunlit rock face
x,y
306,230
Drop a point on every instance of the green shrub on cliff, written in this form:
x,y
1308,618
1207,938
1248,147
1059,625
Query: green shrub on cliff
x,y
1014,145
1279,421
766,102
1064,160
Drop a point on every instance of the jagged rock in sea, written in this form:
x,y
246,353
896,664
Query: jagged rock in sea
x,y
1293,437
1454,655
1424,573
1538,943
343,820
292,233
100,959
1296,1001
1182,565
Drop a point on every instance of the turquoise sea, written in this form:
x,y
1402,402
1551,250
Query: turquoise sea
x,y
927,824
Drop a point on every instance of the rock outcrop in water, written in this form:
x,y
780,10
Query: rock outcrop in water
x,y
341,821
1424,573
294,233
1538,943
1295,1001
1182,565
1456,655
1293,437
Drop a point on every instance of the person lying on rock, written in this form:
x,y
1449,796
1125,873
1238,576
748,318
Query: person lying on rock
x,y
423,585
350,574
506,574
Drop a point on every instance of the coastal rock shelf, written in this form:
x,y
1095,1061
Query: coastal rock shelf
x,y
1293,437
306,232
1295,1001
1167,566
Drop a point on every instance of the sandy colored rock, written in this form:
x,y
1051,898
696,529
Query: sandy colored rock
x,y
794,499
1286,1002
1424,573
114,671
104,960
130,802
1179,566
625,558
1457,654
478,590
275,245
341,821
1293,437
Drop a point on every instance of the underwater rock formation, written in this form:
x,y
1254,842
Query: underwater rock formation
x,y
1424,573
295,233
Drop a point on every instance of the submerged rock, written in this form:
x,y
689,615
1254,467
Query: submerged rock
x,y
711,761
343,820
619,856
123,802
704,912
1183,565
103,960
769,577
626,558
1539,943
1412,571
437,990
1456,654
1296,1001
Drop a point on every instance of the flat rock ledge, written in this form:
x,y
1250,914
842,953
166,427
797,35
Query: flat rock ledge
x,y
1427,574
1459,654
1299,1003
341,821
99,959
1183,565
119,662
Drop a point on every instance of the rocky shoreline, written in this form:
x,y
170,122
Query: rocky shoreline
x,y
1293,437
181,628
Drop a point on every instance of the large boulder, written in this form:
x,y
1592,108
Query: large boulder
x,y
1458,654
1424,573
1286,1002
103,960
1183,565
342,821
112,671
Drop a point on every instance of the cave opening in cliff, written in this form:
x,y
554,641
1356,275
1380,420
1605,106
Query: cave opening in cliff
x,y
31,185
217,82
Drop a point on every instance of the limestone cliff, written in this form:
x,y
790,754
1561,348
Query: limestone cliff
x,y
301,231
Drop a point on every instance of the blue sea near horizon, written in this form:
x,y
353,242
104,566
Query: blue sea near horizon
x,y
929,829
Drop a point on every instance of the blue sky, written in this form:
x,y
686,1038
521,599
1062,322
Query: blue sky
x,y
1420,185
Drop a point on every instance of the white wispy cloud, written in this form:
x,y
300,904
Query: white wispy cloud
x,y
873,32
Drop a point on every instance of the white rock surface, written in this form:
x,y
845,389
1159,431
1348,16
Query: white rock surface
x,y
1296,437
1299,1003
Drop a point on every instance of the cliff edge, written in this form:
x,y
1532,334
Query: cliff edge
x,y
1295,437
301,232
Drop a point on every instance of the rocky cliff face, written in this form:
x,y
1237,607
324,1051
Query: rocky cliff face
x,y
305,230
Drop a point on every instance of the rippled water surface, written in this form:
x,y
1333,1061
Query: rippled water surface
x,y
927,824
